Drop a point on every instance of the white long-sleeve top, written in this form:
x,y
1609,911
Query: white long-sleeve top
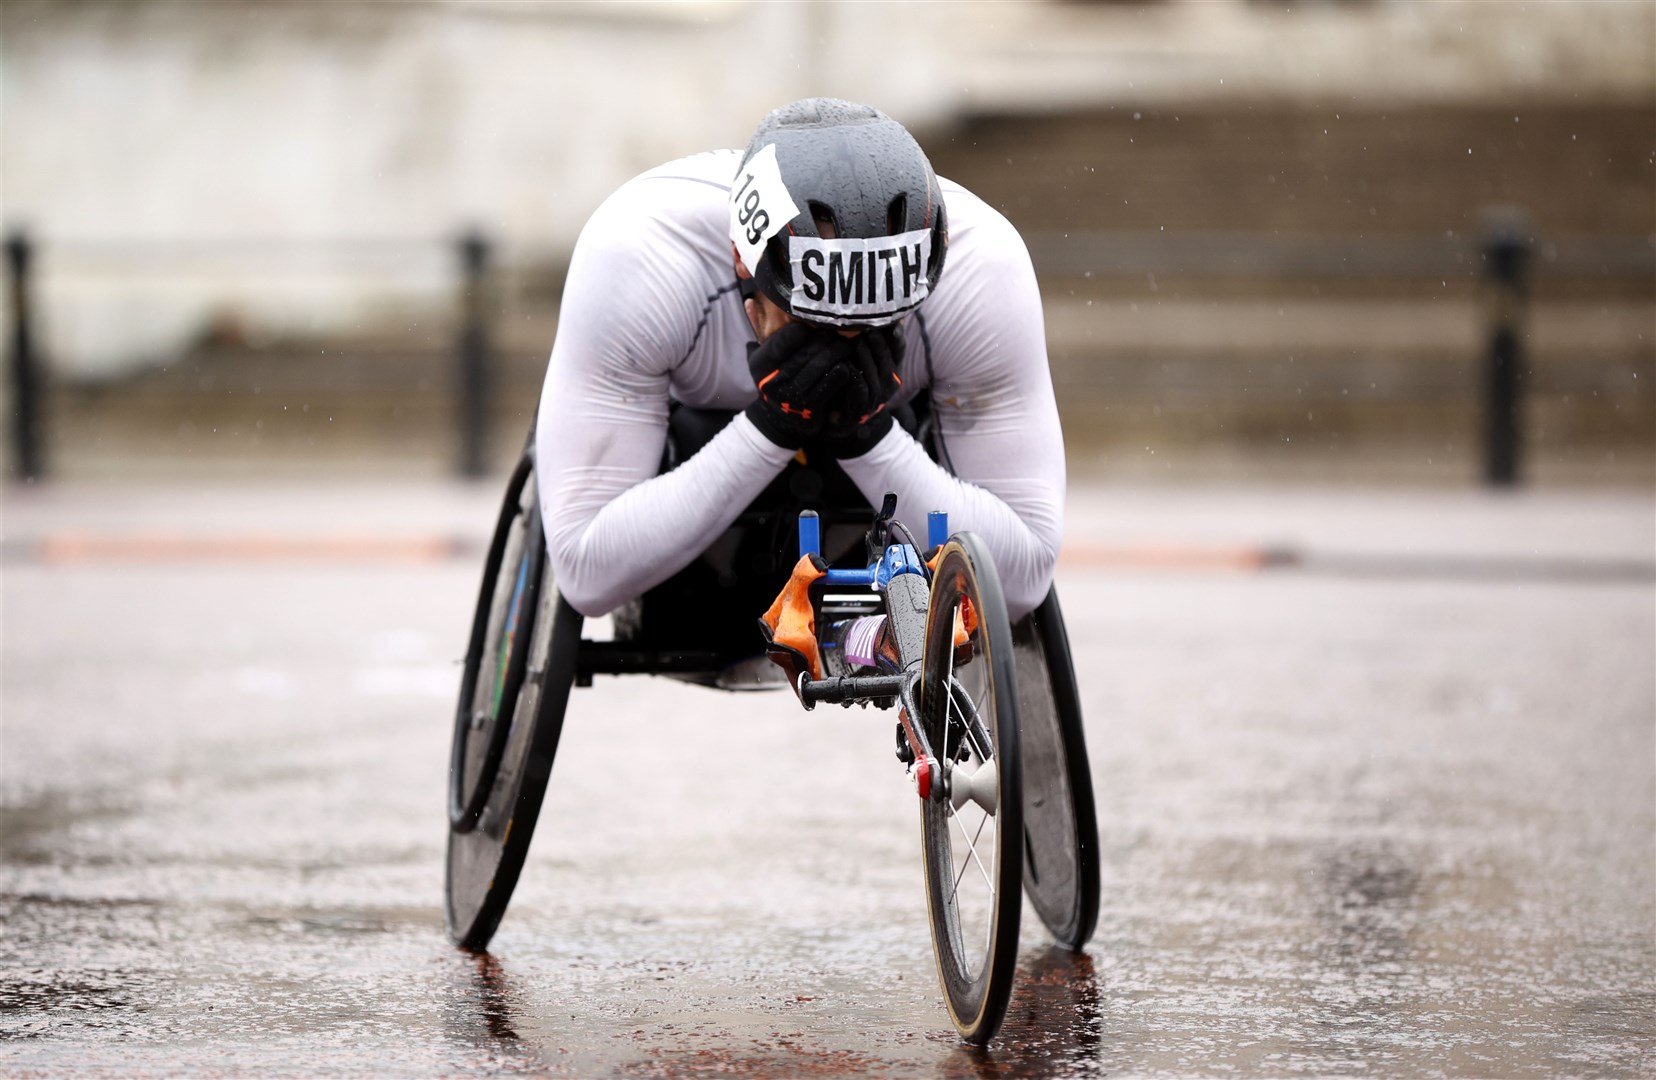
x,y
650,309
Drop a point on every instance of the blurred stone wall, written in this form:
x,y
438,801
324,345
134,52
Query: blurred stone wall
x,y
282,163
280,167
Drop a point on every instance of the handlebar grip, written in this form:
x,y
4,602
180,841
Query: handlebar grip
x,y
937,528
810,533
842,688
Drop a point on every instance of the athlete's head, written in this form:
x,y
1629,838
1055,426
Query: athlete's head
x,y
837,216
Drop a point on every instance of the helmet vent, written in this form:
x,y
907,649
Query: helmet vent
x,y
896,215
822,216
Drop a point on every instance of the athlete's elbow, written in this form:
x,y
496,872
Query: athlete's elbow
x,y
1026,590
591,601
579,581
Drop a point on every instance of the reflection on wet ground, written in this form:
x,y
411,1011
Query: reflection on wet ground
x,y
1053,1029
1055,1026
493,997
1348,828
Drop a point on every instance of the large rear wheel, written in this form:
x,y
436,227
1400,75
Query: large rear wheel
x,y
972,828
1059,820
497,654
520,665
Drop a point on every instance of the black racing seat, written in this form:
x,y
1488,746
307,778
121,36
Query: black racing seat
x,y
703,621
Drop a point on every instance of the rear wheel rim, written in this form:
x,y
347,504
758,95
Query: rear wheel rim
x,y
1061,872
498,654
520,664
483,864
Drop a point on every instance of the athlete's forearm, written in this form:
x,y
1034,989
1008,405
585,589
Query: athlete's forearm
x,y
613,530
1017,512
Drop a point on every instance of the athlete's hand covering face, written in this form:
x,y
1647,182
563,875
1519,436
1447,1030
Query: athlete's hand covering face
x,y
802,373
863,414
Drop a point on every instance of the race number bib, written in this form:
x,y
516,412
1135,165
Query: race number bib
x,y
859,281
760,206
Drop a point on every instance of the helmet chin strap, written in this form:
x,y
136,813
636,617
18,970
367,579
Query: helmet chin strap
x,y
747,286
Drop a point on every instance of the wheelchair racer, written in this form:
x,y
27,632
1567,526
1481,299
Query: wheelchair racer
x,y
799,285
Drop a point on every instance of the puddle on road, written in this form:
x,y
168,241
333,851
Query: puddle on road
x,y
29,997
1355,958
1052,1029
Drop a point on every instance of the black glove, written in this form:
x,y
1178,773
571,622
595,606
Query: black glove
x,y
863,414
801,373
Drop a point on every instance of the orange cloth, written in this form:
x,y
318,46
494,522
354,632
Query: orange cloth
x,y
965,621
792,622
965,624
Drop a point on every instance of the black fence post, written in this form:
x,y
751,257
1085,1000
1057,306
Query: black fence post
x,y
24,364
473,354
1506,244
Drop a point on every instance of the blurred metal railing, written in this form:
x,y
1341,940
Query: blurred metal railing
x,y
471,264
23,365
1504,256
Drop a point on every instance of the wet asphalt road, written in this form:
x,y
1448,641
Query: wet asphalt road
x,y
1384,806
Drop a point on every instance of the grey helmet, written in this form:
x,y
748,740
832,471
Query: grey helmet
x,y
860,171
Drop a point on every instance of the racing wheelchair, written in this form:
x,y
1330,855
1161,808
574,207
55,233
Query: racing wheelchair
x,y
989,718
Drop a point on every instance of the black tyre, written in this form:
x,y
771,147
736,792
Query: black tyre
x,y
514,691
972,828
1060,822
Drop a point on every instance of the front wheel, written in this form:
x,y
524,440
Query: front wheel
x,y
972,827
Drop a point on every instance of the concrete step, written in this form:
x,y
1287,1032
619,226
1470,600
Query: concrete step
x,y
1334,168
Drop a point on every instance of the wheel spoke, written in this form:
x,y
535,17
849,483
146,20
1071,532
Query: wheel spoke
x,y
948,708
972,727
971,853
954,712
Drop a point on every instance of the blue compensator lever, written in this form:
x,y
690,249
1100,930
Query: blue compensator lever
x,y
810,533
851,577
937,528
